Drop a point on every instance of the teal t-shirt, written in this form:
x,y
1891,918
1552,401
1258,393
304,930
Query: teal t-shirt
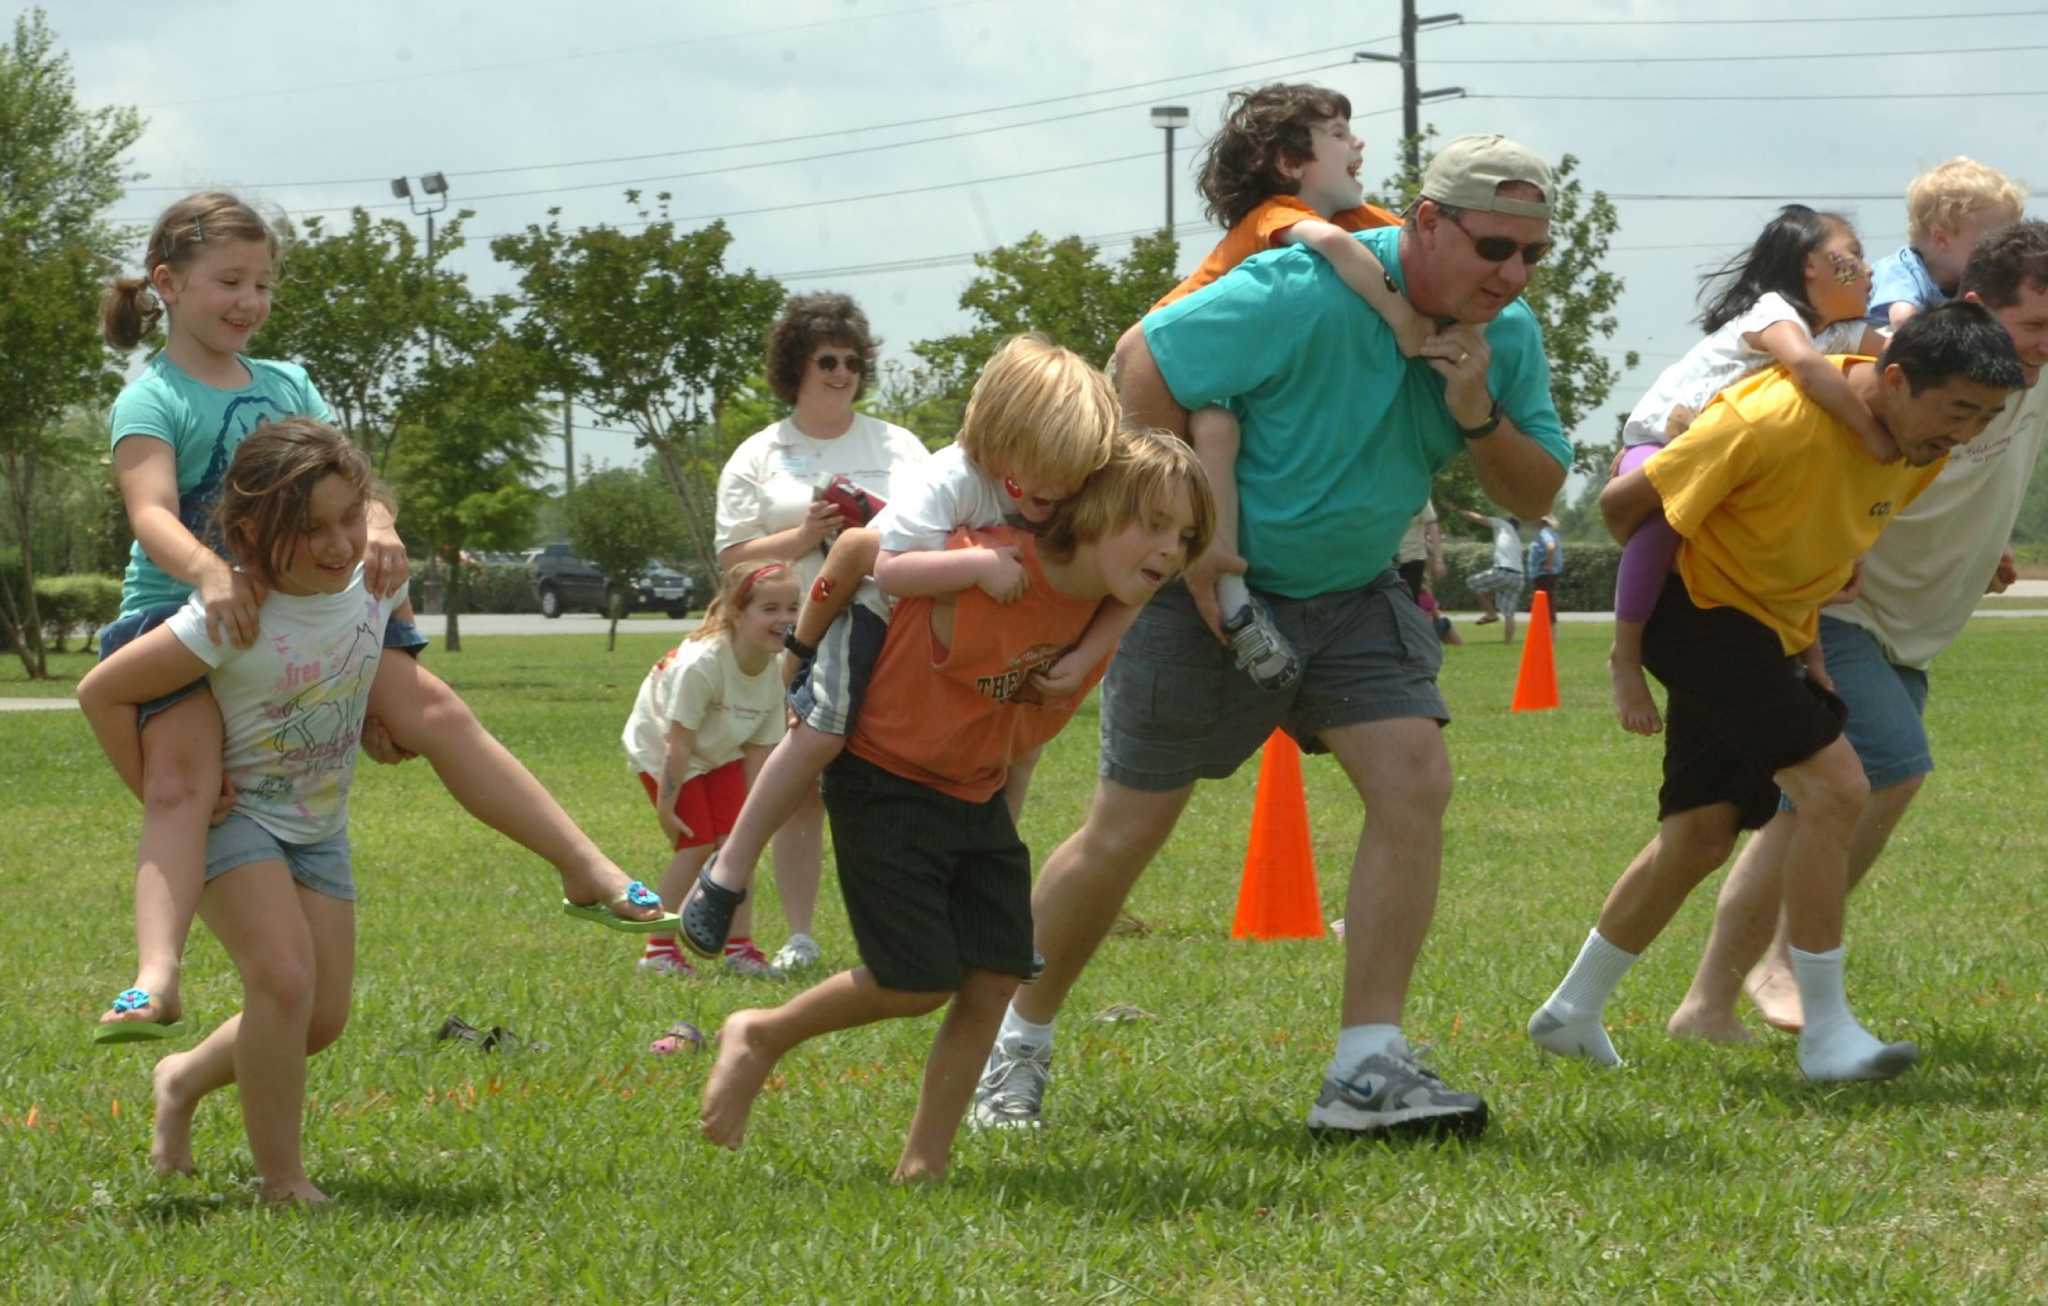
x,y
202,424
1340,434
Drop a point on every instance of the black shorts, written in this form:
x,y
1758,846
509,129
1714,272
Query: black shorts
x,y
1740,710
933,885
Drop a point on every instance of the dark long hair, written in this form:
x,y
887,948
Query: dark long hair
x,y
1775,262
1264,128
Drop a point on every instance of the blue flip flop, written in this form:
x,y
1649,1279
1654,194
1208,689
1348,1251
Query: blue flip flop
x,y
135,1031
636,895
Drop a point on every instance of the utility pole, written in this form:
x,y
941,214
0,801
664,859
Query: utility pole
x,y
568,447
1412,95
435,184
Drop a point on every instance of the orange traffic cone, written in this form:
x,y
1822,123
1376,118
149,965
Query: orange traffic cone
x,y
1536,683
1278,899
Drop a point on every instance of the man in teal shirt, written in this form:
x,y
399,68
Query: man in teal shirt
x,y
1340,437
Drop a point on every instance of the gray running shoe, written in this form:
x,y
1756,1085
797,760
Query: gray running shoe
x,y
799,953
1011,1094
1392,1094
1262,652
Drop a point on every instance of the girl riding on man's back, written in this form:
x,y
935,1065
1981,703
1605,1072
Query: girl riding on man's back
x,y
209,266
1793,298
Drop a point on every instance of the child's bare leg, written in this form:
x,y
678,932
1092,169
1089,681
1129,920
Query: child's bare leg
x,y
1632,701
180,780
425,716
951,1071
850,561
787,781
751,1042
181,1080
1018,786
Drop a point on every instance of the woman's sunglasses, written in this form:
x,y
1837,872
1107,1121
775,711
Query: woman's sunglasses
x,y
1499,249
831,363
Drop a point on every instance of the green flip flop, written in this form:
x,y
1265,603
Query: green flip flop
x,y
110,1032
636,895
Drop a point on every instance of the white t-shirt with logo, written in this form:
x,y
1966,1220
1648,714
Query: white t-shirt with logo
x,y
1924,576
768,483
699,686
292,703
1719,361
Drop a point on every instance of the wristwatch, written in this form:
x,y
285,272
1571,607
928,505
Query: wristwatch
x,y
1486,427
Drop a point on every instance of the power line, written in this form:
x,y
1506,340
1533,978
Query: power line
x,y
1769,99
1858,19
395,78
1744,58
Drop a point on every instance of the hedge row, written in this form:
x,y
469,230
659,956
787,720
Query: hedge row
x,y
67,604
500,588
1585,585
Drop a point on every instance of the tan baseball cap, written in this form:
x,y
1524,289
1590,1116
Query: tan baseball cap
x,y
1467,173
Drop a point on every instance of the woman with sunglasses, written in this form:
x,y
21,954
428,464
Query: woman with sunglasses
x,y
820,355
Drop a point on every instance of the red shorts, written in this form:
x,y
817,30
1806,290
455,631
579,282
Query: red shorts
x,y
709,804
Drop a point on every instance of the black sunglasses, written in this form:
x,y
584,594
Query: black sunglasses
x,y
830,363
1499,249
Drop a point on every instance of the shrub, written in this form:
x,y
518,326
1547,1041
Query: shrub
x,y
1585,585
83,603
488,588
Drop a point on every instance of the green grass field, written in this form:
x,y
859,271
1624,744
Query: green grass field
x,y
1175,1166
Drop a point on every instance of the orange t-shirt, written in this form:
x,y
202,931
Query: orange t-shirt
x,y
953,719
1261,229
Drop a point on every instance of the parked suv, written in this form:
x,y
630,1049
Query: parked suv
x,y
662,586
565,581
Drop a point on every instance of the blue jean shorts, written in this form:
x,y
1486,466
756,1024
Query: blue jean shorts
x,y
1887,704
322,866
130,627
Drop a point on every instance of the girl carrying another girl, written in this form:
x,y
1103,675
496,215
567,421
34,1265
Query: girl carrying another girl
x,y
279,891
210,265
1794,297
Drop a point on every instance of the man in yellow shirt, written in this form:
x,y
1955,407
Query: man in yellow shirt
x,y
1775,500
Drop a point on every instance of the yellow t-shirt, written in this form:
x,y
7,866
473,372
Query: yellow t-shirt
x,y
1775,501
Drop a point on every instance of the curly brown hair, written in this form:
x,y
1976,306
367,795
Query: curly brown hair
x,y
1266,127
824,317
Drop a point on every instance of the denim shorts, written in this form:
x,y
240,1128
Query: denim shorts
x,y
1176,708
1886,704
322,866
827,689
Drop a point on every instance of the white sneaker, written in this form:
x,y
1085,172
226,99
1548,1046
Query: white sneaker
x,y
800,953
1011,1094
668,963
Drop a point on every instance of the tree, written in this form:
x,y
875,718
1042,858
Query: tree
x,y
1573,298
465,445
357,309
619,521
650,331
1060,288
62,168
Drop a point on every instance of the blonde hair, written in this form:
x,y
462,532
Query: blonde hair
x,y
267,493
130,307
1949,194
1146,472
1040,412
736,590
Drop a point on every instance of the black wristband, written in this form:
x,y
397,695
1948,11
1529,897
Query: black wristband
x,y
803,651
1485,428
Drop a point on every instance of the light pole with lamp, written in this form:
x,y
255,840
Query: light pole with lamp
x,y
435,186
1169,118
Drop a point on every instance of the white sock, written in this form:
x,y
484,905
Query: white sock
x,y
1569,1021
1357,1042
1017,1031
1833,1045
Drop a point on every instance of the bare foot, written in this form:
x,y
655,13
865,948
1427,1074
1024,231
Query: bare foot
x,y
604,883
913,1171
170,1144
163,1005
1632,701
1697,1022
1775,992
744,1061
295,1192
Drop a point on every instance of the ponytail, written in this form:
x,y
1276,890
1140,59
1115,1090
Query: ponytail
x,y
129,311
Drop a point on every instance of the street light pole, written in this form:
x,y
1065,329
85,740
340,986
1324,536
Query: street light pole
x,y
434,186
1169,118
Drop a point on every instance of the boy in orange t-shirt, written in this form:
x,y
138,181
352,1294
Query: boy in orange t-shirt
x,y
937,883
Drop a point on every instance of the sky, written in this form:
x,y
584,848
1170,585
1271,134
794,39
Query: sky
x,y
841,137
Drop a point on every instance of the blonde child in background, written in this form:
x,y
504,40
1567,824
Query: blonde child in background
x,y
1038,423
279,889
210,265
1949,209
701,726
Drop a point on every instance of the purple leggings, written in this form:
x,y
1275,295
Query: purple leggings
x,y
1646,558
